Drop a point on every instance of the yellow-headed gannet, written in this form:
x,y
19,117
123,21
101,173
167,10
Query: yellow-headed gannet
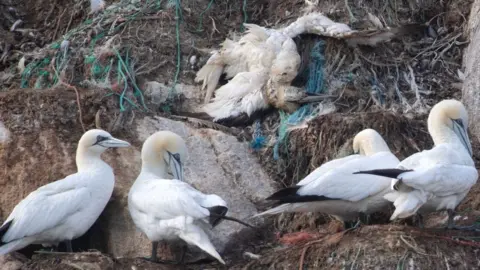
x,y
439,178
331,189
164,207
65,209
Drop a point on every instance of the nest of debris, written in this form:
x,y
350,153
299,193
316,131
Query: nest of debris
x,y
128,43
376,247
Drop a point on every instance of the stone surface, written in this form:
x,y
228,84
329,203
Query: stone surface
x,y
156,93
41,145
217,163
471,60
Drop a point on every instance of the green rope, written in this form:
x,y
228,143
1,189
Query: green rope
x,y
132,79
127,99
125,85
200,23
245,15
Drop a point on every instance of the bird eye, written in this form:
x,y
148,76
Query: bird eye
x,y
176,156
285,73
100,138
459,122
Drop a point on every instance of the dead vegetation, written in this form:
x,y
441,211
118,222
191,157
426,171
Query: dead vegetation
x,y
376,247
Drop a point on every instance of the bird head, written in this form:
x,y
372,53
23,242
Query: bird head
x,y
97,141
165,149
368,142
452,114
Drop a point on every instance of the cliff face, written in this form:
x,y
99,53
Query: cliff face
x,y
374,87
471,85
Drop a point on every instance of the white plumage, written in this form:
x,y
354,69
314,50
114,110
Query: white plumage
x,y
438,178
270,53
260,47
331,189
167,209
243,94
65,209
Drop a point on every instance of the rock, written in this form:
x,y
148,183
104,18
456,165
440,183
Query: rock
x,y
471,95
13,261
41,148
217,163
157,94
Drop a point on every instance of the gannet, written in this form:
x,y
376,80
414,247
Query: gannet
x,y
331,189
164,207
65,209
439,178
254,92
260,46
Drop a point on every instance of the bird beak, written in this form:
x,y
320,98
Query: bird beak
x,y
176,166
462,134
114,143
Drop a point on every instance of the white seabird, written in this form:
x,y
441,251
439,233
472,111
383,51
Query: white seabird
x,y
439,178
164,207
65,209
331,189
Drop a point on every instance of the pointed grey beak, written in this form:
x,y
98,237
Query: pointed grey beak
x,y
461,131
113,143
175,166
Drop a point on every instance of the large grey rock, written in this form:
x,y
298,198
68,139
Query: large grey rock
x,y
217,163
157,93
471,85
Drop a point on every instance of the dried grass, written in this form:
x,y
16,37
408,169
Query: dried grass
x,y
394,247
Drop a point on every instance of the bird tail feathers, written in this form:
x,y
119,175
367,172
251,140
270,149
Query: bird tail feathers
x,y
210,75
406,204
15,245
390,173
196,236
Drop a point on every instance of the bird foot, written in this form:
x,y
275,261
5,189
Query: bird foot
x,y
296,237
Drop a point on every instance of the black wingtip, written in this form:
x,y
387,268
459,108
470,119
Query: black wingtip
x,y
216,214
390,173
244,120
285,192
4,229
289,195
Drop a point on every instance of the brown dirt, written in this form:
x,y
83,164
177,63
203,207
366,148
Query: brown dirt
x,y
377,247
